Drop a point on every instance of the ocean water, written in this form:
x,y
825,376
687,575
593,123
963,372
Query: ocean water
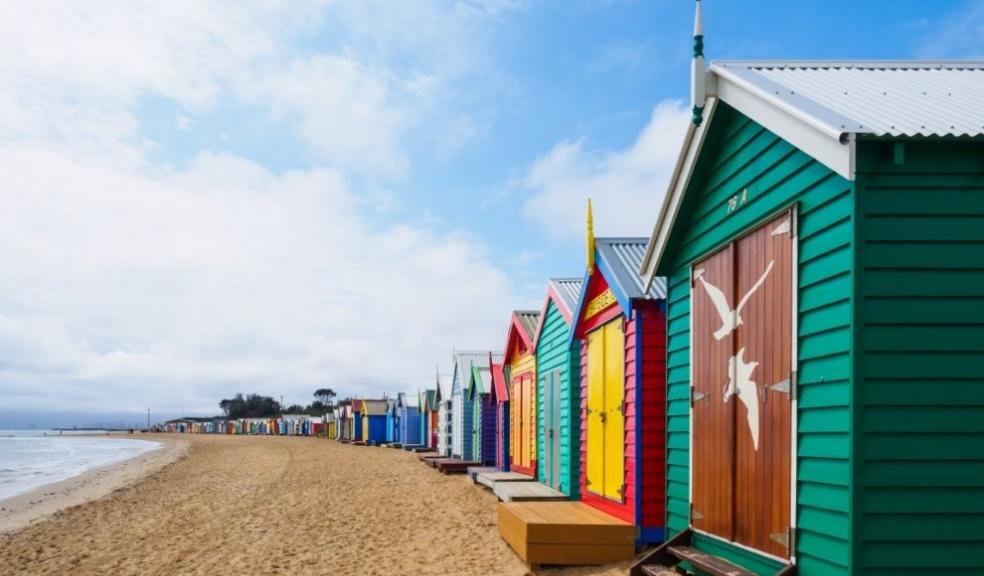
x,y
33,458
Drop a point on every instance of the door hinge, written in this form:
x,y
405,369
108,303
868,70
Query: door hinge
x,y
602,415
787,386
696,396
785,539
695,515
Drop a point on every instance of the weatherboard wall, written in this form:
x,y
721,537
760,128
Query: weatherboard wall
x,y
744,175
553,352
920,341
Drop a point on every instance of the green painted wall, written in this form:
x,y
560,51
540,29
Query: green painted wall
x,y
920,339
552,353
738,155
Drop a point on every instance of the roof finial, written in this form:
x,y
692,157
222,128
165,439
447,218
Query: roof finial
x,y
698,77
591,240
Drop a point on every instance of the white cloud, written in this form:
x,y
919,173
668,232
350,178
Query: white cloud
x,y
129,284
626,186
136,289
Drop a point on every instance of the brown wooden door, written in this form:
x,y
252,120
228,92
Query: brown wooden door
x,y
713,430
742,389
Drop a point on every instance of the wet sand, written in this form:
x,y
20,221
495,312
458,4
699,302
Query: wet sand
x,y
274,505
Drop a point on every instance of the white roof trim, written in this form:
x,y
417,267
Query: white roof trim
x,y
803,123
679,181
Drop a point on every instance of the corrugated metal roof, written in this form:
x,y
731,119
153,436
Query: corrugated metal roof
x,y
528,319
481,377
623,257
569,289
868,97
444,386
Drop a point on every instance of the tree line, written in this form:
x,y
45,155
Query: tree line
x,y
259,406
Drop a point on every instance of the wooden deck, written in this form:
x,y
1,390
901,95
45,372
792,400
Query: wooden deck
x,y
489,479
456,466
568,533
433,462
527,492
474,471
427,456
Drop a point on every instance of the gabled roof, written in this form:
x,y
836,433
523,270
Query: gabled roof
x,y
442,386
522,326
463,361
563,292
480,381
499,388
823,107
374,407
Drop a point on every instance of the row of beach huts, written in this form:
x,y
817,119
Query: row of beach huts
x,y
786,377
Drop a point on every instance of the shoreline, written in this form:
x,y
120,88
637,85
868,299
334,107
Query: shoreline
x,y
43,502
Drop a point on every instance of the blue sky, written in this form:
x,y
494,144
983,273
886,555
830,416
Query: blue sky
x,y
273,196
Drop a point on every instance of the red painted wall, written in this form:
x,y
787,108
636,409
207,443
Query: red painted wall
x,y
650,399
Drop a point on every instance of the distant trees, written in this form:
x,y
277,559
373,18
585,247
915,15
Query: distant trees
x,y
250,406
258,406
325,396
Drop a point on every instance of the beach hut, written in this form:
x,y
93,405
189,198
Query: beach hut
x,y
520,361
392,420
500,397
373,420
409,419
462,418
558,392
444,425
620,325
480,396
822,237
429,406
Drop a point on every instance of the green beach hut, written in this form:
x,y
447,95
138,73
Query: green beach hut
x,y
558,365
822,237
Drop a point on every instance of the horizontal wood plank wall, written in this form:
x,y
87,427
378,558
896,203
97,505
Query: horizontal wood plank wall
x,y
653,406
553,353
921,330
746,167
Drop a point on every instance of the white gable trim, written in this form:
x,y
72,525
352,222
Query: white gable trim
x,y
679,181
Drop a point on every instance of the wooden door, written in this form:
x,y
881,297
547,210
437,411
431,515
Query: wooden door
x,y
549,461
713,420
595,459
742,380
606,411
763,365
554,410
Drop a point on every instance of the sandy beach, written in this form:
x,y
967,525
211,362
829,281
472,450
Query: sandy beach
x,y
264,505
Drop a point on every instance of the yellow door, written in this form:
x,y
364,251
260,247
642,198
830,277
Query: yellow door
x,y
365,428
514,401
614,410
595,413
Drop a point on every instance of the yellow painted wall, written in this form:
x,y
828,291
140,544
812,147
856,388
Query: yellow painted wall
x,y
523,364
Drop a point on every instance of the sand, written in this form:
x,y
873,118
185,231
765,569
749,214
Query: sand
x,y
269,505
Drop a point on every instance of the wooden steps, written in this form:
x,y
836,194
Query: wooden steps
x,y
526,492
474,471
456,466
564,533
490,479
428,456
679,549
421,450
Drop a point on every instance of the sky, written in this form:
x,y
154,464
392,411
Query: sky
x,y
207,197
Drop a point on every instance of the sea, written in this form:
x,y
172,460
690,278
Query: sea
x,y
32,458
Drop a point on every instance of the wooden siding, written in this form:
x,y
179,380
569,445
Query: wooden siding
x,y
739,156
553,353
920,503
645,451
